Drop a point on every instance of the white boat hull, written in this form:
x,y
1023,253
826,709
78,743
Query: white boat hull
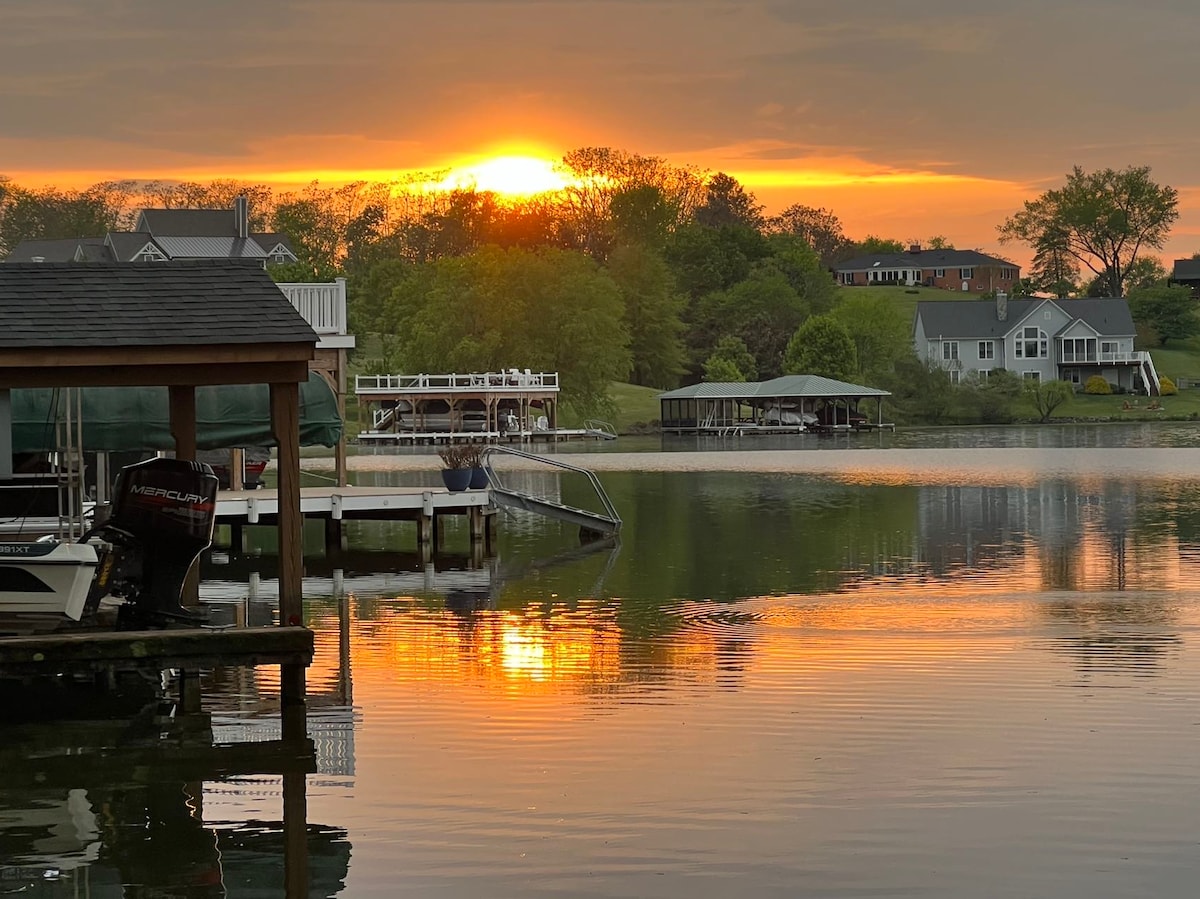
x,y
46,579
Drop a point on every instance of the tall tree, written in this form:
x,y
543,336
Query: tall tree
x,y
48,213
652,315
1169,311
728,204
821,346
1105,220
730,360
880,334
819,228
550,310
1054,269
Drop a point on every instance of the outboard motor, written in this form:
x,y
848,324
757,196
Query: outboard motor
x,y
162,519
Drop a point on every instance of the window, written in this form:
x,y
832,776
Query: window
x,y
949,350
987,349
279,257
966,273
984,374
1008,274
1032,376
1032,344
954,376
939,273
1078,349
1109,348
847,277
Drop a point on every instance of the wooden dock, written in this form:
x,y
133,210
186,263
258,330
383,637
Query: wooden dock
x,y
87,651
333,505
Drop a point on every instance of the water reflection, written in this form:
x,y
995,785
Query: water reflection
x,y
106,794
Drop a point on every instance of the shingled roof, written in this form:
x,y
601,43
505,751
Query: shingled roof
x,y
924,259
184,303
976,319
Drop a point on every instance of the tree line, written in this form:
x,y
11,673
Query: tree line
x,y
638,270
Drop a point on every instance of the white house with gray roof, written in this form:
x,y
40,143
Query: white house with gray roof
x,y
163,234
1038,339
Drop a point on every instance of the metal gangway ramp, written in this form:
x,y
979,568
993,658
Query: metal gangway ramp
x,y
591,524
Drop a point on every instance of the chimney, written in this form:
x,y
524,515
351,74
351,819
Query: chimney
x,y
1001,306
914,248
241,217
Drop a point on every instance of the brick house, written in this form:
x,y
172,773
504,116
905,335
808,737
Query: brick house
x,y
965,270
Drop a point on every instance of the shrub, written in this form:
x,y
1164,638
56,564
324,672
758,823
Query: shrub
x,y
1096,385
1167,387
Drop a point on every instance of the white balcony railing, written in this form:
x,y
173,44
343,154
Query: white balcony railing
x,y
464,383
322,305
1110,358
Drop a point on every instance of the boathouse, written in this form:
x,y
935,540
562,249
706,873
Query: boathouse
x,y
175,324
427,408
788,404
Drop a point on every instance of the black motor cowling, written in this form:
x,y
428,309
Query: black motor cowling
x,y
162,519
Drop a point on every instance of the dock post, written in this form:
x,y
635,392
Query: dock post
x,y
334,536
425,521
189,692
489,529
295,809
475,520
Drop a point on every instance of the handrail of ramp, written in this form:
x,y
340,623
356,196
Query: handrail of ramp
x,y
606,524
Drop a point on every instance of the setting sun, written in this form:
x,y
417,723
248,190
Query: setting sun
x,y
514,176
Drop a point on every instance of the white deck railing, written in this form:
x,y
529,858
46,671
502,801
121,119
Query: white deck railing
x,y
1096,358
322,305
458,383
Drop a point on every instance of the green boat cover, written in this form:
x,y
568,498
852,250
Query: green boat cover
x,y
138,418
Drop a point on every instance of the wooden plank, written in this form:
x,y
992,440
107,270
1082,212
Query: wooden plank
x,y
121,373
172,648
141,355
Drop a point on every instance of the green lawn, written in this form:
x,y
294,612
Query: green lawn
x,y
1185,405
905,299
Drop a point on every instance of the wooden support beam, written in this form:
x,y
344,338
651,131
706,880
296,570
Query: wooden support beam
x,y
183,420
182,414
339,452
285,424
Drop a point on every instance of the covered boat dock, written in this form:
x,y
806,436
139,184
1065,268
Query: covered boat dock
x,y
789,404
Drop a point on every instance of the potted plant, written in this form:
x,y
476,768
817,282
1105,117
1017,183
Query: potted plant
x,y
474,456
456,470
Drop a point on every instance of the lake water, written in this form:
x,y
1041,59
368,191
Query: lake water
x,y
937,663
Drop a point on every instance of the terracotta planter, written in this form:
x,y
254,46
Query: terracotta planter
x,y
479,479
456,479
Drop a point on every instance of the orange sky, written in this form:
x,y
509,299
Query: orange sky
x,y
907,119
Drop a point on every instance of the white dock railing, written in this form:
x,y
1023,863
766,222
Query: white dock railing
x,y
322,305
464,383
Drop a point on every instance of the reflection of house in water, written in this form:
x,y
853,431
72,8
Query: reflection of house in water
x,y
1071,535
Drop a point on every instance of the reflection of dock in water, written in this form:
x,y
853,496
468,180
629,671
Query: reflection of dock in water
x,y
90,803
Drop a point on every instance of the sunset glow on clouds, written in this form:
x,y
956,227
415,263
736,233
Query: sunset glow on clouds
x,y
906,118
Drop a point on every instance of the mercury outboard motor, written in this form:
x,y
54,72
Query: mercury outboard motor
x,y
162,519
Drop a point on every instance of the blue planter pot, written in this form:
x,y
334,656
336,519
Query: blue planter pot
x,y
456,479
479,479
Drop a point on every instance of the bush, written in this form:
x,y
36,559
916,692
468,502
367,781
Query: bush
x,y
1096,385
1167,387
1116,388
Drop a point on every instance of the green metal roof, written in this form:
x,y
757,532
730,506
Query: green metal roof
x,y
786,386
138,418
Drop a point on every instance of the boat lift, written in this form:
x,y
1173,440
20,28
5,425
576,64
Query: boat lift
x,y
592,525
